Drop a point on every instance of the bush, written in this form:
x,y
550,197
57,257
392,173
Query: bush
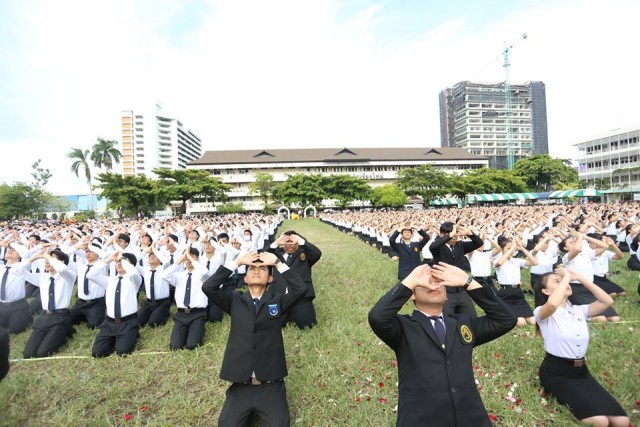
x,y
230,208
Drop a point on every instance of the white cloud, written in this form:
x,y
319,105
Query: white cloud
x,y
286,73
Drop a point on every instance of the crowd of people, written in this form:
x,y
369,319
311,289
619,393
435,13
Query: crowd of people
x,y
128,275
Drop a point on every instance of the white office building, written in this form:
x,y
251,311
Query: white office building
x,y
152,139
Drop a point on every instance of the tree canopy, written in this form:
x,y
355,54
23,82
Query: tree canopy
x,y
542,173
344,189
185,184
424,181
128,195
263,186
388,196
302,190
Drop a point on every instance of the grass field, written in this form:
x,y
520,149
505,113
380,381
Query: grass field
x,y
340,373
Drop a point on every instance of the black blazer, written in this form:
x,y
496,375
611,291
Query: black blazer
x,y
455,255
437,384
301,262
408,256
255,340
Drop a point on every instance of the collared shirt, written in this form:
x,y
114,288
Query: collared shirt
x,y
581,263
545,263
565,332
433,321
480,263
160,284
179,280
214,262
601,263
63,284
509,272
131,282
95,290
16,277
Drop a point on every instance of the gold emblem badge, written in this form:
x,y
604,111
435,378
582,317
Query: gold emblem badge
x,y
303,256
466,334
415,249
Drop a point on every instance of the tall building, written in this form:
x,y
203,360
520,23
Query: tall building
x,y
151,139
379,166
610,162
473,116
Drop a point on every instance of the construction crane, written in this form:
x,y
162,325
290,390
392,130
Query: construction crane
x,y
507,97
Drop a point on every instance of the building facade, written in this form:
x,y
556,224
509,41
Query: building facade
x,y
474,116
151,139
611,162
379,166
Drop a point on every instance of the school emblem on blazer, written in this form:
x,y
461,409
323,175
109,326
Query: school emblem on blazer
x,y
415,249
273,310
466,334
303,256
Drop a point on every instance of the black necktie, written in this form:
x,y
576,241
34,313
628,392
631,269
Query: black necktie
x,y
117,311
86,282
3,286
255,304
288,260
187,292
52,294
171,260
152,289
208,264
439,328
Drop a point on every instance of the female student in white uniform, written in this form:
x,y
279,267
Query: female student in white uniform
x,y
563,372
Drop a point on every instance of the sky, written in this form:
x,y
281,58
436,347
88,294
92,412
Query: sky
x,y
256,74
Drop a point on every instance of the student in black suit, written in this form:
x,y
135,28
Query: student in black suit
x,y
448,248
254,360
300,255
408,251
434,350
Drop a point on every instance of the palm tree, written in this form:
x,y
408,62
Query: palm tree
x,y
104,153
81,161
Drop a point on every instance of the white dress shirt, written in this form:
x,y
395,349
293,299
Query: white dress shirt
x,y
480,262
160,284
64,279
565,332
14,287
131,282
95,290
179,279
509,272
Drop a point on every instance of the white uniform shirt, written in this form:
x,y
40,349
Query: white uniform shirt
x,y
480,262
580,263
63,284
509,272
95,290
131,282
160,285
545,263
565,333
601,263
14,287
179,279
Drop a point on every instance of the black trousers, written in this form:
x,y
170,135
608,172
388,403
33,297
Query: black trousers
x,y
93,312
4,352
267,401
15,316
50,332
119,337
215,313
154,313
459,302
303,314
188,329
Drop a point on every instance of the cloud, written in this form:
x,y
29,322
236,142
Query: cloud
x,y
285,73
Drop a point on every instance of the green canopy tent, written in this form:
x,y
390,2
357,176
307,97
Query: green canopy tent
x,y
501,197
448,201
587,192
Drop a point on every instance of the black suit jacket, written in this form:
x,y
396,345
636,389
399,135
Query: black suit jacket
x,y
455,255
408,256
4,352
301,262
255,340
436,385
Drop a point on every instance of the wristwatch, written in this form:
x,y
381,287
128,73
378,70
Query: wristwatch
x,y
468,282
277,263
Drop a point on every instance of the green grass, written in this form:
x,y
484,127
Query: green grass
x,y
340,373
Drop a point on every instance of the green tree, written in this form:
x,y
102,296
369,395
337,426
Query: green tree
x,y
184,184
104,153
229,208
302,189
20,200
541,172
81,163
346,188
263,186
388,196
40,175
424,181
128,195
487,180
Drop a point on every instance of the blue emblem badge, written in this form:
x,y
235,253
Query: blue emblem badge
x,y
273,310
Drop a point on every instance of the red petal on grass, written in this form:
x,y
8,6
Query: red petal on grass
x,y
394,363
127,417
380,385
382,400
145,408
518,401
638,402
358,399
492,418
497,356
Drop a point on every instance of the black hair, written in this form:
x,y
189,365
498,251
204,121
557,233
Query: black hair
x,y
223,236
596,236
35,236
563,244
446,227
503,241
173,237
130,257
60,256
194,252
148,236
125,237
